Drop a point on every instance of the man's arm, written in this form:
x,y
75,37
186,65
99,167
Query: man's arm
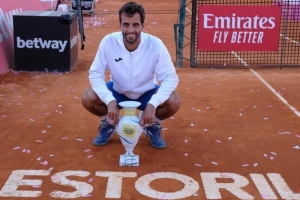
x,y
97,74
166,74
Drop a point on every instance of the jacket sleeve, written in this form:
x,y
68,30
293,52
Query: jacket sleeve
x,y
97,74
166,74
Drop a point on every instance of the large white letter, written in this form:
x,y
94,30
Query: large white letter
x,y
222,22
16,179
263,187
190,186
206,19
262,22
211,186
281,186
82,188
114,184
271,21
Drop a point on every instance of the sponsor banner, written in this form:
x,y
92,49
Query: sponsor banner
x,y
38,46
7,9
238,28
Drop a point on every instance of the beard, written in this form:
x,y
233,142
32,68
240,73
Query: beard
x,y
131,39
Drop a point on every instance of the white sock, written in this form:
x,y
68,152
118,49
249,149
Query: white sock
x,y
140,115
105,117
156,120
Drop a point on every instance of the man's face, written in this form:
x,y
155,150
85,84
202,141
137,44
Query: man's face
x,y
131,28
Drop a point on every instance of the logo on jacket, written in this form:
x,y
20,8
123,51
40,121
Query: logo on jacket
x,y
117,60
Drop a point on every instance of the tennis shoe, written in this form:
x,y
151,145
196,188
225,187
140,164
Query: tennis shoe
x,y
155,135
105,131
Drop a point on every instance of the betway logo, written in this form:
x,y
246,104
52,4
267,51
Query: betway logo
x,y
40,43
6,23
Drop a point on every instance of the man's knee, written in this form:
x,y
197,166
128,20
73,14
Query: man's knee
x,y
88,97
175,101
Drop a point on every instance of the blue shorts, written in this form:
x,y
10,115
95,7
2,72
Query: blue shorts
x,y
143,99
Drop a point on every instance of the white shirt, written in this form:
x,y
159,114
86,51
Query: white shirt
x,y
133,72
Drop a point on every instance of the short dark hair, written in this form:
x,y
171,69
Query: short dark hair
x,y
131,8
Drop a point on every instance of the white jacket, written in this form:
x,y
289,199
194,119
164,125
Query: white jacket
x,y
133,72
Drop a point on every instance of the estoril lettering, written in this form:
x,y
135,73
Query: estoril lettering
x,y
214,185
39,43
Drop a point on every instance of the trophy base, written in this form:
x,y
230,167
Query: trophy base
x,y
129,160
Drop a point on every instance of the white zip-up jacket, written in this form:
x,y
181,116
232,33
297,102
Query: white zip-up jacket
x,y
133,72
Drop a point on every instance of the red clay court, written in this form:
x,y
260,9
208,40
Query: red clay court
x,y
236,135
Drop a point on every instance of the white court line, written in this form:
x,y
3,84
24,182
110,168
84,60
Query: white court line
x,y
268,85
239,58
191,12
276,93
188,10
289,39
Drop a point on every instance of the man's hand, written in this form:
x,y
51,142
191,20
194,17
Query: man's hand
x,y
113,111
148,115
